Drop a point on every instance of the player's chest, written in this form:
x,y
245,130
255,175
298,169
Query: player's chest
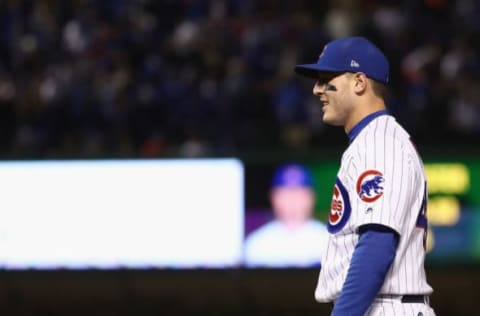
x,y
352,193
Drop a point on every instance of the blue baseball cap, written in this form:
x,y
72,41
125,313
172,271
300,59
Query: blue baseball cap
x,y
292,175
349,54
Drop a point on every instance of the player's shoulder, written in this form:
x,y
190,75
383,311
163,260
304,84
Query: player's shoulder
x,y
317,225
386,126
266,231
314,227
383,129
381,133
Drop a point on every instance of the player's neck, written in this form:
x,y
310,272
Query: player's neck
x,y
362,111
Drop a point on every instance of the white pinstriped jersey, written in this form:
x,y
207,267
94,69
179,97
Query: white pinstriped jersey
x,y
381,181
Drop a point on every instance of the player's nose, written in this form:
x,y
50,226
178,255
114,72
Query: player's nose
x,y
318,88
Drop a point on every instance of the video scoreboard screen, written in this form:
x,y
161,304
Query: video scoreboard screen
x,y
111,214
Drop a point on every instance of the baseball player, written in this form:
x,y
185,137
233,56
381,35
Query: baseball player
x,y
294,238
374,261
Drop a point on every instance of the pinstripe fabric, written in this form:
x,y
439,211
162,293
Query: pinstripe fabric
x,y
385,182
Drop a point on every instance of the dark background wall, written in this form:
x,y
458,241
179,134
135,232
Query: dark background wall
x,y
201,292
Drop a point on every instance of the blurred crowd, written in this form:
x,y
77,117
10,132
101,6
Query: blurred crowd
x,y
189,78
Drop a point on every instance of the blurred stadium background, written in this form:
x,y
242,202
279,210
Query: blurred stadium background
x,y
131,79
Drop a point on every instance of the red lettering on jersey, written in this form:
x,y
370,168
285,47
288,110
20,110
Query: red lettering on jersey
x,y
336,207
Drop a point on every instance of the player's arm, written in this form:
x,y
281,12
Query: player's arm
x,y
370,263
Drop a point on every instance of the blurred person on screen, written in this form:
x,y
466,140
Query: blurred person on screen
x,y
293,238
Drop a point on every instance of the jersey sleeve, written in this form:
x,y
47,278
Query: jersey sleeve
x,y
383,179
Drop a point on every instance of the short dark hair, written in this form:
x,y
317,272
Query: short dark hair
x,y
379,89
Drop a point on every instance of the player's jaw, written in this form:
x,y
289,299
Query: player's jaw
x,y
332,113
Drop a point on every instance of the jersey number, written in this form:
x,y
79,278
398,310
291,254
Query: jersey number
x,y
422,221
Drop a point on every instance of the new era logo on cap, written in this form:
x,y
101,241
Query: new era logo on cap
x,y
350,54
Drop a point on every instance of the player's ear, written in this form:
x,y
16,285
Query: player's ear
x,y
360,82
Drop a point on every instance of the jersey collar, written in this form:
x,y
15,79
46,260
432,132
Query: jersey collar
x,y
364,122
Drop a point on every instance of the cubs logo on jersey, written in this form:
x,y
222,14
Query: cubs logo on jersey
x,y
339,208
370,185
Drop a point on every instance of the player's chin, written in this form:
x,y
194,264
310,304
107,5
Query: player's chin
x,y
331,120
328,118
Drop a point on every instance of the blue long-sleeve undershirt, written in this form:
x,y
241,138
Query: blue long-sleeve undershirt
x,y
370,263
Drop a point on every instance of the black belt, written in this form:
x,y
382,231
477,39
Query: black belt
x,y
408,298
414,299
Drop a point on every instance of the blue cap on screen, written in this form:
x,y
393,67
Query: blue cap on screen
x,y
349,54
292,175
